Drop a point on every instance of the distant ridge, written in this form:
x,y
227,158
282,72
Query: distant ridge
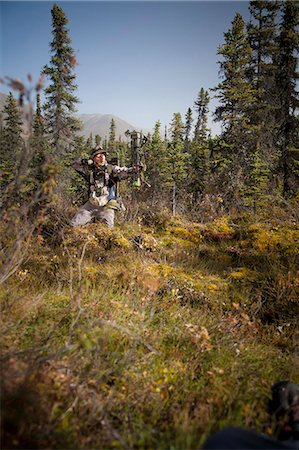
x,y
96,123
100,124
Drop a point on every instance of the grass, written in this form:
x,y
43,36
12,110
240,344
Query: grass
x,y
148,337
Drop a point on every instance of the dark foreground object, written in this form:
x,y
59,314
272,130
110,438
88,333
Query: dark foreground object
x,y
239,439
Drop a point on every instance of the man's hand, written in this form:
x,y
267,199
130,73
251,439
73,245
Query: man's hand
x,y
87,162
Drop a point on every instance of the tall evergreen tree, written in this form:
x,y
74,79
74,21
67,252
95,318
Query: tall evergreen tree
x,y
89,143
11,141
188,126
61,102
174,170
236,96
39,145
122,151
201,108
287,77
105,144
177,128
38,121
156,155
235,93
262,32
111,141
12,130
198,172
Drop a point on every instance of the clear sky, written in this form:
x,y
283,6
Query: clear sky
x,y
141,61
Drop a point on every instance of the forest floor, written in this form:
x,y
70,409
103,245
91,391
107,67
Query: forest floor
x,y
150,335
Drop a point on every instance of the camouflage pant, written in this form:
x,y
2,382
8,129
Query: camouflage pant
x,y
87,212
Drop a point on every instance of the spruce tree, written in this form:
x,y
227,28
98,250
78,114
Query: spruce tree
x,y
236,97
201,108
255,187
97,140
177,128
111,141
105,144
11,142
174,170
156,155
12,130
38,121
60,105
122,151
235,93
187,131
200,147
89,143
262,32
287,77
39,145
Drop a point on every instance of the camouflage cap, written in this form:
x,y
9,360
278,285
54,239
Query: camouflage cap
x,y
95,151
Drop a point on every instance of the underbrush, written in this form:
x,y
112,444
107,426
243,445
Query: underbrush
x,y
148,336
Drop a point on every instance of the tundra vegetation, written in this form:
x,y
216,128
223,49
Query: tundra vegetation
x,y
175,323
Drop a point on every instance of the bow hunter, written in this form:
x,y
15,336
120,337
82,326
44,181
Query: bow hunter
x,y
102,180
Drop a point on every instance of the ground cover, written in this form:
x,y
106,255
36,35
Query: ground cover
x,y
148,336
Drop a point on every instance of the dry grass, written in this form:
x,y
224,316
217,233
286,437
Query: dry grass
x,y
147,336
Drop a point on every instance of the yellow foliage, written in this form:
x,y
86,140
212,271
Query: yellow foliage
x,y
219,229
162,269
145,242
221,225
96,236
242,273
81,235
120,241
275,238
189,234
212,287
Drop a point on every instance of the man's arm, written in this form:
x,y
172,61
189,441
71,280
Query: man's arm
x,y
123,173
81,166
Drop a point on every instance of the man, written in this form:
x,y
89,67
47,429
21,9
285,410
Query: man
x,y
102,179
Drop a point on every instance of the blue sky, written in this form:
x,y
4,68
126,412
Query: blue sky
x,y
141,61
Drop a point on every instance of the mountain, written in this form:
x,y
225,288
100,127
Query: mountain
x,y
100,124
96,123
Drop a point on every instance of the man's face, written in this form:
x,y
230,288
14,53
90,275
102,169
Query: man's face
x,y
99,159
